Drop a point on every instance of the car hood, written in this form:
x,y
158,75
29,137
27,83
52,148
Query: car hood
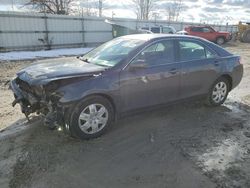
x,y
223,32
45,71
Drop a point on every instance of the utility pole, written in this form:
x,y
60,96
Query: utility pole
x,y
100,8
12,5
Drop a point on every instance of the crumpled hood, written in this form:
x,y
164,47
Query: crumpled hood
x,y
44,71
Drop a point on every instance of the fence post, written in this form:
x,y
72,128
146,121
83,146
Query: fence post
x,y
47,42
83,34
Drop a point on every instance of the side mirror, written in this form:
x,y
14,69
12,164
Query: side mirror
x,y
138,64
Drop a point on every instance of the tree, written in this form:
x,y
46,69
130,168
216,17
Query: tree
x,y
92,7
143,8
173,10
52,6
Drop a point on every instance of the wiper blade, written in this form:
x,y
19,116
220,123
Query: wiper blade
x,y
85,60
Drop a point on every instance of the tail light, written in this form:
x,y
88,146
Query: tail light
x,y
240,60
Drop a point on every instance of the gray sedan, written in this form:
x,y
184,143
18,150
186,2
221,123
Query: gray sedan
x,y
87,94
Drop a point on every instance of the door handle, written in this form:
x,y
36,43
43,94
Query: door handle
x,y
173,71
216,63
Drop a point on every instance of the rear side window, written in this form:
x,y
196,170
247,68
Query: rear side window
x,y
193,51
210,54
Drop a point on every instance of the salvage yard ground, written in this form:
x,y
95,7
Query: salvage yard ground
x,y
187,145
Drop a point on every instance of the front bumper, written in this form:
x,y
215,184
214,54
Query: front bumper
x,y
22,95
29,103
25,99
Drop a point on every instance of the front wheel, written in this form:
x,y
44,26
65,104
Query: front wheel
x,y
91,117
220,40
218,92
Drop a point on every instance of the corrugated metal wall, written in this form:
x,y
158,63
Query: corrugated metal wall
x,y
34,31
31,31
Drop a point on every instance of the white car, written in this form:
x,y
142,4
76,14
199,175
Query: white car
x,y
160,29
182,32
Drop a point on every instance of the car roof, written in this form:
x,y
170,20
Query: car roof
x,y
199,26
147,37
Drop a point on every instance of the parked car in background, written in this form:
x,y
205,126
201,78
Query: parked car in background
x,y
144,31
183,32
161,29
207,32
88,93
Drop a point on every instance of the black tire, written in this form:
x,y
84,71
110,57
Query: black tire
x,y
246,36
73,125
220,40
209,100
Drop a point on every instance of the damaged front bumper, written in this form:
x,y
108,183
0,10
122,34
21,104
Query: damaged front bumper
x,y
30,103
25,99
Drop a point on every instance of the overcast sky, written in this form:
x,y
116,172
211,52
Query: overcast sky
x,y
209,11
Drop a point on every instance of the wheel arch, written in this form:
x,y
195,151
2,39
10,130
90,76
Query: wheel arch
x,y
230,80
107,97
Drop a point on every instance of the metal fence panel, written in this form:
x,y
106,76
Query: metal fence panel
x,y
33,31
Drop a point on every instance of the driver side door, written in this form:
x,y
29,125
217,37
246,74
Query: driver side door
x,y
151,78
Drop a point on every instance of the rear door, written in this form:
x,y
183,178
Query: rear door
x,y
200,67
156,82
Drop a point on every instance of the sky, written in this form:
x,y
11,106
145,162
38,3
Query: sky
x,y
208,11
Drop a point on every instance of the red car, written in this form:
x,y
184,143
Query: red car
x,y
208,33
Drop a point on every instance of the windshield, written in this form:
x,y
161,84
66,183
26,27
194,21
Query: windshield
x,y
112,52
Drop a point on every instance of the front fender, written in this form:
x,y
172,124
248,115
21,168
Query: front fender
x,y
77,91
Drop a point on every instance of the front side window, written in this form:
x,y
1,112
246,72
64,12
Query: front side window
x,y
167,30
157,54
206,30
193,51
196,29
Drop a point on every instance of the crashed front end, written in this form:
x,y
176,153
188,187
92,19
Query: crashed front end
x,y
38,99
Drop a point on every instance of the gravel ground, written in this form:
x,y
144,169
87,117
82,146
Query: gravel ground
x,y
183,145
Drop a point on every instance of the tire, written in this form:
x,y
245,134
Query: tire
x,y
97,115
220,40
217,98
246,36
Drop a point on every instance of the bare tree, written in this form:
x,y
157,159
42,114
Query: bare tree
x,y
52,6
173,10
89,8
143,8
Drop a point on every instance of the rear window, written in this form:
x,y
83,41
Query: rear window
x,y
155,29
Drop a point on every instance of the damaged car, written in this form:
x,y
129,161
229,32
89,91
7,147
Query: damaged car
x,y
87,94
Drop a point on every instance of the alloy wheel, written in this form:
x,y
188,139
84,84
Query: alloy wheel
x,y
93,118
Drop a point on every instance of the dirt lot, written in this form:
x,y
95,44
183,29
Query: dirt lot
x,y
186,145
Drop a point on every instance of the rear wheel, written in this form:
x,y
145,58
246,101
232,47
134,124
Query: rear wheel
x,y
91,117
220,40
218,92
246,36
